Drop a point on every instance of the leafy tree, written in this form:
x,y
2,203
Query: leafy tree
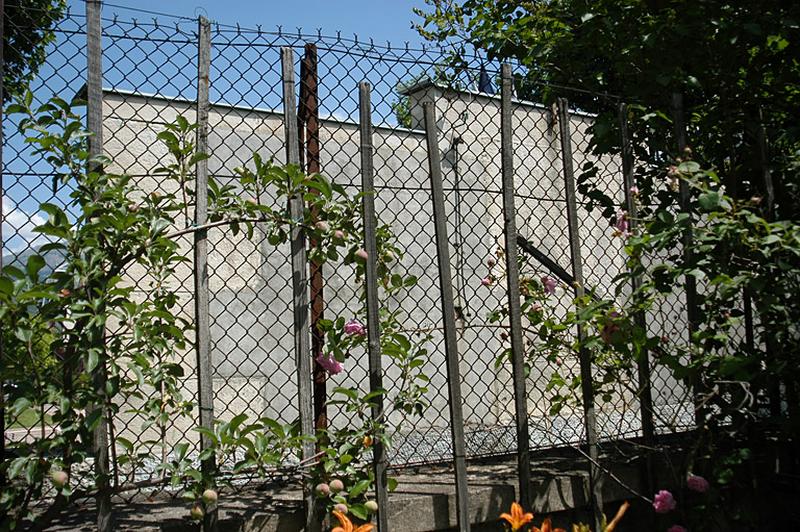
x,y
735,62
736,66
78,345
27,31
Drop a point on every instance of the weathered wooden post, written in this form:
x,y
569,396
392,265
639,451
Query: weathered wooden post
x,y
587,391
690,283
94,119
2,142
512,286
449,318
302,328
373,318
645,391
205,377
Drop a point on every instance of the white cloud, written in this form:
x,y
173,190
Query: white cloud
x,y
18,226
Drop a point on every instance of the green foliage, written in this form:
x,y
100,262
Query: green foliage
x,y
90,346
27,32
735,63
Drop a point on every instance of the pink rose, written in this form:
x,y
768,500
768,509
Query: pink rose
x,y
677,528
486,281
339,234
549,284
622,226
634,190
361,254
354,327
330,364
697,483
664,502
322,226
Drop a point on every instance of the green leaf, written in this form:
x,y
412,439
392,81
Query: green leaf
x,y
360,487
34,265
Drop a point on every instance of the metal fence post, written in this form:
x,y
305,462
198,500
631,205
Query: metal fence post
x,y
201,296
449,318
94,119
690,283
587,391
512,280
373,319
302,328
645,390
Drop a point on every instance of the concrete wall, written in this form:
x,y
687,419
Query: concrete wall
x,y
251,313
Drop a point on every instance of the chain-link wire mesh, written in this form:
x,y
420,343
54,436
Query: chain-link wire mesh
x,y
150,77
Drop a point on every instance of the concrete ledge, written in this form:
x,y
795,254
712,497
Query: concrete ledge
x,y
425,500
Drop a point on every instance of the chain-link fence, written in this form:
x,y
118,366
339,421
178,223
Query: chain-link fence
x,y
150,76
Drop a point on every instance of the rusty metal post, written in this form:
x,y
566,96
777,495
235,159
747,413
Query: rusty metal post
x,y
308,134
587,388
512,280
449,319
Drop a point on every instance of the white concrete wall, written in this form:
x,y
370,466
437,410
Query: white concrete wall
x,y
251,312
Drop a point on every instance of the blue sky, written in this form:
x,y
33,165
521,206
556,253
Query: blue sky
x,y
380,19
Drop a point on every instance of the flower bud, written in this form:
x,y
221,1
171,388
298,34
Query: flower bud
x,y
372,506
490,262
322,226
322,489
361,254
367,441
339,234
336,485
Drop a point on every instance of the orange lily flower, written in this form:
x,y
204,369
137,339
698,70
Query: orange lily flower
x,y
345,525
547,526
518,517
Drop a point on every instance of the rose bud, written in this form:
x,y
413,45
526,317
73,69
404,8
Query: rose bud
x,y
372,506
